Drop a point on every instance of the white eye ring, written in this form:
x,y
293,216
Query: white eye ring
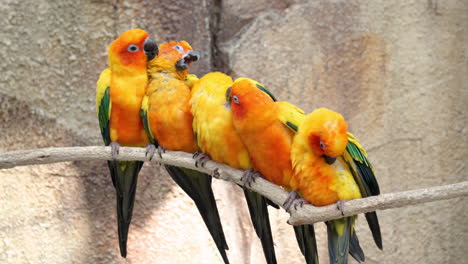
x,y
236,99
322,145
132,48
178,48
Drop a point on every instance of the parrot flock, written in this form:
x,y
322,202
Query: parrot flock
x,y
147,98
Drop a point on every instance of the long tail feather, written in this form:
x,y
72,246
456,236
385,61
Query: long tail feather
x,y
124,177
355,249
339,235
198,186
305,235
259,215
374,226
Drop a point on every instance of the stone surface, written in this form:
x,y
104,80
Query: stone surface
x,y
397,70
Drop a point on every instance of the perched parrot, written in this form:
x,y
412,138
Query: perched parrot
x,y
256,118
322,139
168,121
119,93
217,138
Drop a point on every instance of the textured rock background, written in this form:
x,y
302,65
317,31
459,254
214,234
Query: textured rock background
x,y
397,70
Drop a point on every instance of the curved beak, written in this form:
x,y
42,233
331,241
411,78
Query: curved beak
x,y
329,160
187,59
151,48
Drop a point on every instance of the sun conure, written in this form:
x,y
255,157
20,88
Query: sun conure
x,y
119,93
255,117
168,121
322,139
217,138
355,159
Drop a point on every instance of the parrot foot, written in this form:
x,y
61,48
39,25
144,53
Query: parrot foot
x,y
161,150
114,149
299,202
201,159
290,200
150,149
249,176
216,173
340,206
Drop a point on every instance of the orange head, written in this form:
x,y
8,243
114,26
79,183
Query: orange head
x,y
131,51
251,104
174,57
327,133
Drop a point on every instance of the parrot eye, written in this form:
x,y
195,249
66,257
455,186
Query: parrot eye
x,y
236,99
322,146
132,48
178,48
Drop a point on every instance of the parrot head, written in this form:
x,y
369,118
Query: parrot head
x,y
131,51
249,100
327,133
174,57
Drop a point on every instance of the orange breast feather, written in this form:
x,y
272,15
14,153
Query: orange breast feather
x,y
170,117
125,122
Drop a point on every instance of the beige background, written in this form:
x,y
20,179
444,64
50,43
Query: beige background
x,y
397,70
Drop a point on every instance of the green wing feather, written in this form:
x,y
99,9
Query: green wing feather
x,y
356,157
145,120
290,115
103,104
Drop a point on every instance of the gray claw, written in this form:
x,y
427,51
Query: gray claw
x,y
150,149
340,206
201,159
290,200
161,150
114,149
249,176
216,173
299,202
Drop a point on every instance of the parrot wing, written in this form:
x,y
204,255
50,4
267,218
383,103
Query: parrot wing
x,y
290,115
363,173
144,118
103,104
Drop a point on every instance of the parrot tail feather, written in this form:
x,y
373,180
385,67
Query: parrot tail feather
x,y
355,249
259,215
197,185
374,226
339,236
124,177
305,235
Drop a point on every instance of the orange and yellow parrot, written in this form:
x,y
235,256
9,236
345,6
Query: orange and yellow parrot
x,y
322,139
255,117
168,121
119,93
217,138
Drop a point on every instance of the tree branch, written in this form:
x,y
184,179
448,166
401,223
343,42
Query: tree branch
x,y
308,214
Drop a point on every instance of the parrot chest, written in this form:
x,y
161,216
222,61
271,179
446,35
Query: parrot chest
x,y
269,149
215,133
169,115
322,184
125,122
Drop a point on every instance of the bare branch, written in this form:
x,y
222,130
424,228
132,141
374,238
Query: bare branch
x,y
306,215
